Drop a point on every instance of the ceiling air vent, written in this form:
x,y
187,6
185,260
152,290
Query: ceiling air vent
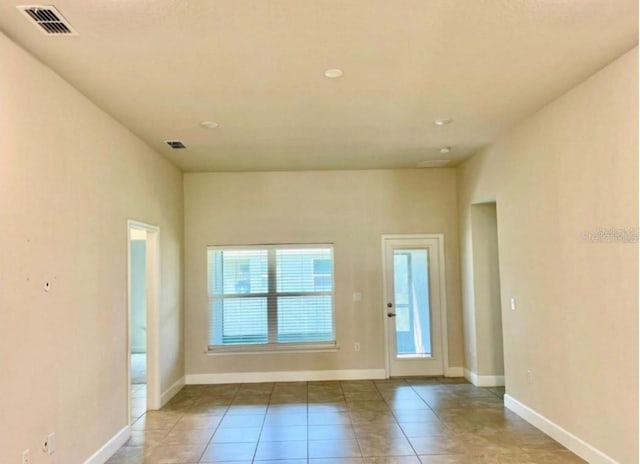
x,y
48,19
175,144
432,164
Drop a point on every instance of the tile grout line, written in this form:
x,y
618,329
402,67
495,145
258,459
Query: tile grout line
x,y
214,431
355,435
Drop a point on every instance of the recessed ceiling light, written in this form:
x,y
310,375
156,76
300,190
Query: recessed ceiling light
x,y
442,122
209,124
333,73
445,150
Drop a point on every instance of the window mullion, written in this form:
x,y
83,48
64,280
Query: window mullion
x,y
272,299
218,305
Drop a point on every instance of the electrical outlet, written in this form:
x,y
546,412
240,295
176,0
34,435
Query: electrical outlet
x,y
26,457
530,376
356,346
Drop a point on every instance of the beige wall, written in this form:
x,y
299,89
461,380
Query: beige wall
x,y
568,170
70,177
352,209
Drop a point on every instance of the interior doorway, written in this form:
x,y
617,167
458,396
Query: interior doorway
x,y
415,304
142,348
138,305
488,368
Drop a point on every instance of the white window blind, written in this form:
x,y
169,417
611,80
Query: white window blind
x,y
270,296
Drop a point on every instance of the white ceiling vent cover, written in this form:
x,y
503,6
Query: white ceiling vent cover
x,y
47,19
432,164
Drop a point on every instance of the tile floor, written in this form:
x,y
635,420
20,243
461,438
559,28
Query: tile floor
x,y
138,401
400,421
138,368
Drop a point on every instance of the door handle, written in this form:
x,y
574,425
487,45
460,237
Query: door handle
x,y
390,314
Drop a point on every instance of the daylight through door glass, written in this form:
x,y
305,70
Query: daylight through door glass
x,y
411,292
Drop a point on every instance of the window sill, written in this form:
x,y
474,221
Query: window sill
x,y
271,349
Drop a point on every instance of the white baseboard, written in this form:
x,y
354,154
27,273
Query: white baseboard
x,y
454,372
171,391
470,376
285,376
562,436
109,448
484,380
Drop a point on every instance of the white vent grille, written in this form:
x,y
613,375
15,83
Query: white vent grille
x,y
432,164
48,19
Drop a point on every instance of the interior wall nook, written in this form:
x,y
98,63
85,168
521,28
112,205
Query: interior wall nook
x,y
485,360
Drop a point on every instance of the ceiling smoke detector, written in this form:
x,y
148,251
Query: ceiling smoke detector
x,y
47,19
175,144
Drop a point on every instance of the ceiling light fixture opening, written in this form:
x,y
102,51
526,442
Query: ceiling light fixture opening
x,y
442,122
445,150
333,73
209,124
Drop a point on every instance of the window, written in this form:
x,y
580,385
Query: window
x,y
322,274
270,297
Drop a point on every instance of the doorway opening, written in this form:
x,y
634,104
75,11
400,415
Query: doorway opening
x,y
142,352
415,305
138,323
488,368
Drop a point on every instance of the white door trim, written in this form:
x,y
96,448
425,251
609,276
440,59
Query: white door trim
x,y
152,269
443,295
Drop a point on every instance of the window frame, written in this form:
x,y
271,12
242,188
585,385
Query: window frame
x,y
272,295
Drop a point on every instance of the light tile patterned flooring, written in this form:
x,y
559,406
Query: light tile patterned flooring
x,y
399,421
138,401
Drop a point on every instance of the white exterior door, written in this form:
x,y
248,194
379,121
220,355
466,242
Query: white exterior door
x,y
413,309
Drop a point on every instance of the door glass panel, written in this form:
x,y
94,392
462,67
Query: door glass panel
x,y
411,295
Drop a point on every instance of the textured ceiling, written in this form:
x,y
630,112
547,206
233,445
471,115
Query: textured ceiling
x,y
256,67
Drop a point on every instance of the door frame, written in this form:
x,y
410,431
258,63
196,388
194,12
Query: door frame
x,y
443,296
152,278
